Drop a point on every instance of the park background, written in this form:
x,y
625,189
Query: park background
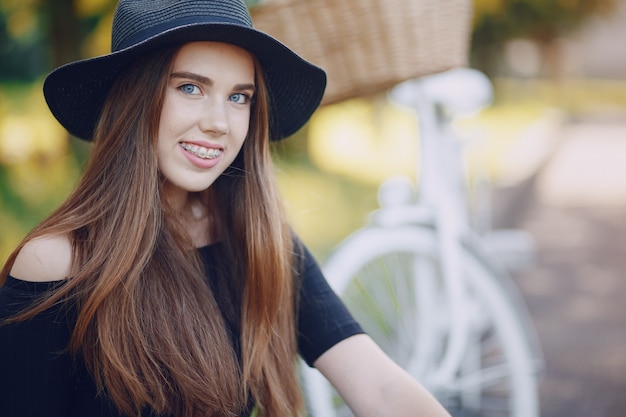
x,y
553,144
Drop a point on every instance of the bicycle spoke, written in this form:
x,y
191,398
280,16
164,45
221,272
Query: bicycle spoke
x,y
484,378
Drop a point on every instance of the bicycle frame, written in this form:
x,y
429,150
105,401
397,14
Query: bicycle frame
x,y
436,100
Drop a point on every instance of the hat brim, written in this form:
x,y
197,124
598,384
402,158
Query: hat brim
x,y
76,91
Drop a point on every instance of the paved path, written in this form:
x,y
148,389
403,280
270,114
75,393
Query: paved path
x,y
575,207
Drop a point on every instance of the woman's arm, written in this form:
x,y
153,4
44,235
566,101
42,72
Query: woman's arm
x,y
372,384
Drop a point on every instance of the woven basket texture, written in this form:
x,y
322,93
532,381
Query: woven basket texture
x,y
367,46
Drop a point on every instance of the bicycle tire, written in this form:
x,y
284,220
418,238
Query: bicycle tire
x,y
498,376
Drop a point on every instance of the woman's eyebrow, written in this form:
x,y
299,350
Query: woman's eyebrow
x,y
207,81
192,76
250,87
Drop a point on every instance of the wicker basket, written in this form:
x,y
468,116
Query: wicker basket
x,y
367,46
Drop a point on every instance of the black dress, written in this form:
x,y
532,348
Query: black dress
x,y
38,379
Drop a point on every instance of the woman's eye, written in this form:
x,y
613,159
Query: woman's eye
x,y
239,98
189,89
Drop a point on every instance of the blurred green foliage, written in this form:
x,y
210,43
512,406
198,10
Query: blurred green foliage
x,y
544,21
502,20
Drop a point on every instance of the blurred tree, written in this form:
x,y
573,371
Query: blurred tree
x,y
64,30
542,21
38,35
21,45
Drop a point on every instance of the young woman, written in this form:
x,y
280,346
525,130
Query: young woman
x,y
169,282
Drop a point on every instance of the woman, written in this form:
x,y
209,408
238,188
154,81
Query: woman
x,y
169,282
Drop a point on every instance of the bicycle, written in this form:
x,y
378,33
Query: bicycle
x,y
422,284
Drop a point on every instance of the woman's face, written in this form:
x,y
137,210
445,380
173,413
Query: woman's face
x,y
205,115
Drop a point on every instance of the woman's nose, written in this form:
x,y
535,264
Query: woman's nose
x,y
214,118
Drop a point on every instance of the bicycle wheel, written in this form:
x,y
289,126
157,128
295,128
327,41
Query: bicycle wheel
x,y
389,279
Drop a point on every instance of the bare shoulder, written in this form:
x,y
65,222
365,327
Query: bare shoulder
x,y
47,258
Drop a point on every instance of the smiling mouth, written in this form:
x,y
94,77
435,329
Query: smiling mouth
x,y
201,151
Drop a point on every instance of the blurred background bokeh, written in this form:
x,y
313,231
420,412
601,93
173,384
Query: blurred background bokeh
x,y
553,144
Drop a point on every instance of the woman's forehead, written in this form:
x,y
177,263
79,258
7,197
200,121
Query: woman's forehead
x,y
206,53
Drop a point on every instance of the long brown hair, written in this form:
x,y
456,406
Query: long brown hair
x,y
149,328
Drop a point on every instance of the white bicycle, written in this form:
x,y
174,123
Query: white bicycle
x,y
423,284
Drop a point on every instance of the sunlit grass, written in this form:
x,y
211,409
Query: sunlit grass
x,y
578,97
323,208
367,139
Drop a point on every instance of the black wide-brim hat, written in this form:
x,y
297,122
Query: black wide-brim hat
x,y
76,91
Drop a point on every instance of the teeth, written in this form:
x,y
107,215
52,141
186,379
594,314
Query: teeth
x,y
201,151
